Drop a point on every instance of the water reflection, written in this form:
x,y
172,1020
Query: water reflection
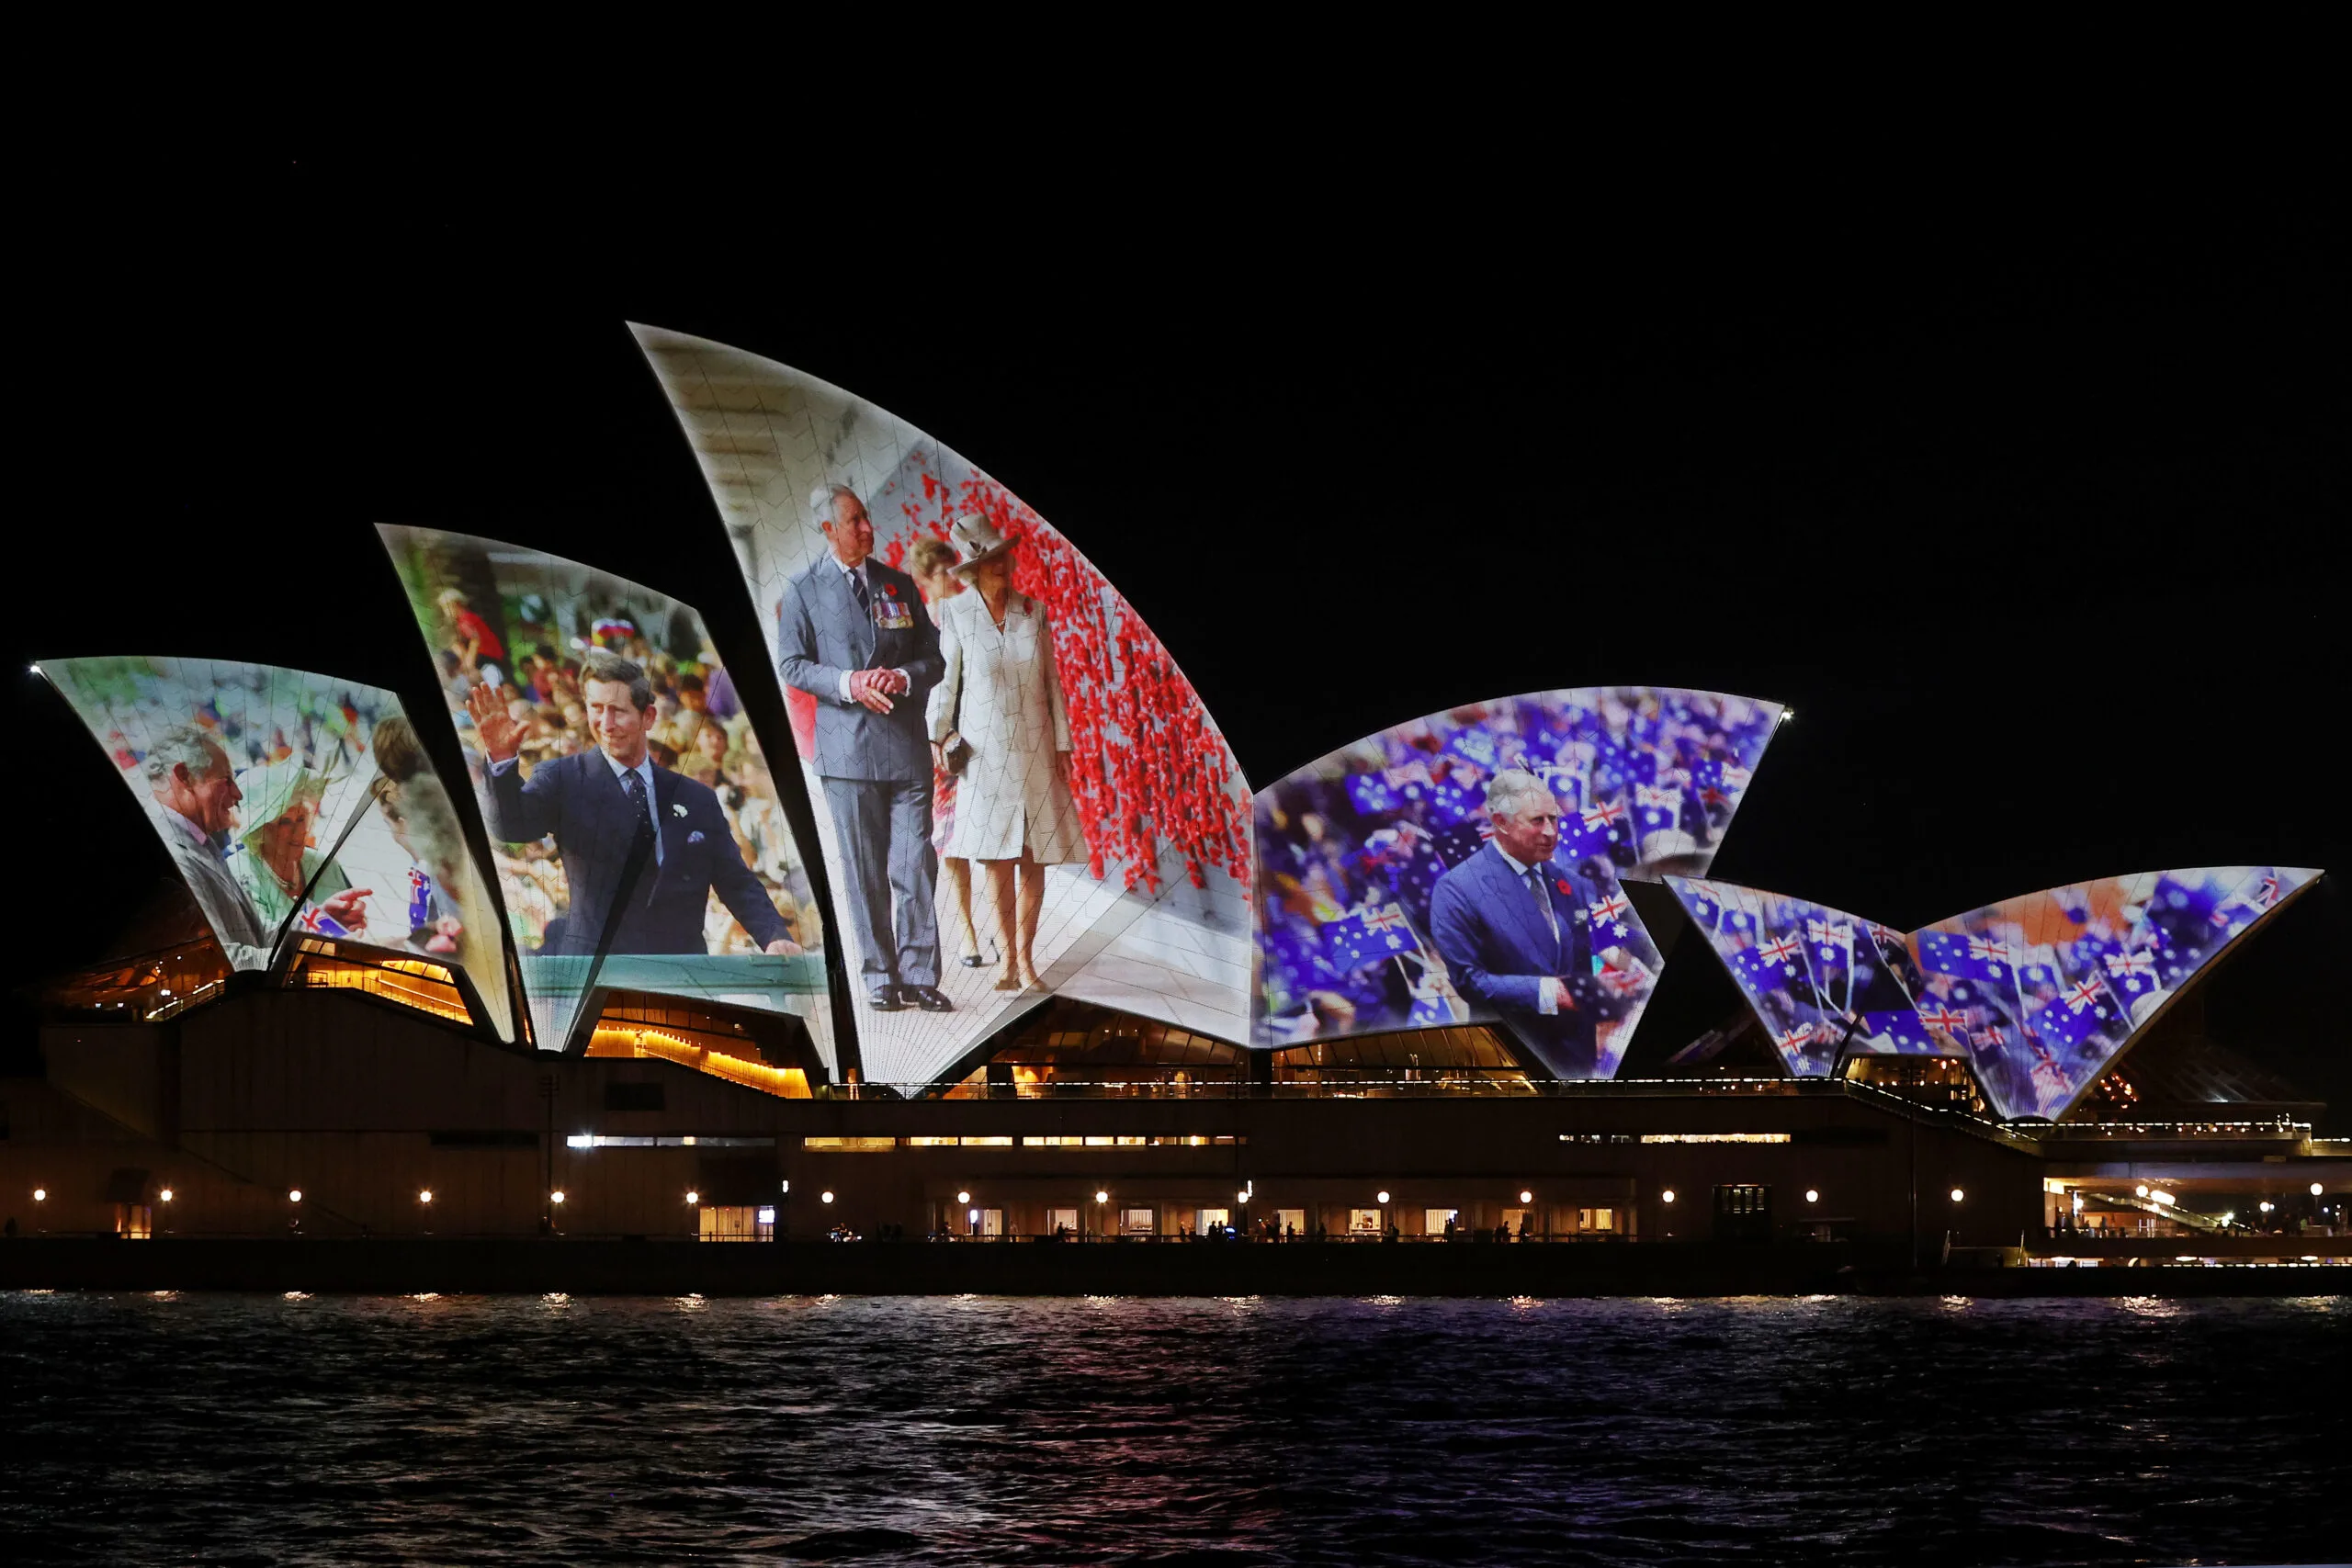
x,y
1249,1429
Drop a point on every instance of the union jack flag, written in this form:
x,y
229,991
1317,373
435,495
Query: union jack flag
x,y
1611,908
2268,894
1777,951
1991,1034
1945,1019
1391,917
1623,982
1601,815
1984,950
1830,935
2120,964
2079,996
1794,1038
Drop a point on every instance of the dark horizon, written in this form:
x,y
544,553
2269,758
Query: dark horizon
x,y
2025,533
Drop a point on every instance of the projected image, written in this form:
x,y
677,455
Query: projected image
x,y
1019,792
2049,987
1396,890
638,839
271,788
1822,982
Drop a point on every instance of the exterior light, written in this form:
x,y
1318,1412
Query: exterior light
x,y
1101,1197
2315,1190
693,1197
1957,1194
2165,1198
767,1216
2140,1191
424,1195
1813,1194
293,1194
1383,1197
40,1195
2266,1205
1667,1196
962,1197
824,1197
165,1195
1526,1197
555,1196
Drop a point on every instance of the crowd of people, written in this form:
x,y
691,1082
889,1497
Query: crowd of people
x,y
1645,780
696,728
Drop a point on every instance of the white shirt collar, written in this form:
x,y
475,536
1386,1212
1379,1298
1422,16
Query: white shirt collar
x,y
846,570
184,823
1517,870
643,770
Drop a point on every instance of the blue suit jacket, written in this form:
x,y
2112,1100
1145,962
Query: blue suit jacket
x,y
1491,933
578,799
822,632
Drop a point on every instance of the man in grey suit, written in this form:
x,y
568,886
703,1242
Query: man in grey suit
x,y
855,637
193,799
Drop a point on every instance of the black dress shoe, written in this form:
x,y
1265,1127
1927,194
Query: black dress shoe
x,y
927,997
887,998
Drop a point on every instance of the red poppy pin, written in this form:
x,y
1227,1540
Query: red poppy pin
x,y
1562,883
891,588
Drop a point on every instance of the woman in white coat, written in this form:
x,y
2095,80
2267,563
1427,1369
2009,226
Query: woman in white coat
x,y
997,715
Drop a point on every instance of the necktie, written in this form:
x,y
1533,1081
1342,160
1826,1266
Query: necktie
x,y
857,586
1535,885
633,785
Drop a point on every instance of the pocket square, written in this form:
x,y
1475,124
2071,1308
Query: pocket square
x,y
695,837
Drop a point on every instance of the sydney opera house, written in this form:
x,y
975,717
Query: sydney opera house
x,y
1015,951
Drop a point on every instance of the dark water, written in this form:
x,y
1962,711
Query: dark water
x,y
261,1429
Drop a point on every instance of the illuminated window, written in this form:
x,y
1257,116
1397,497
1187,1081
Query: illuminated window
x,y
1714,1137
849,1145
1137,1222
1596,1219
1212,1220
737,1223
1363,1222
1061,1222
1291,1222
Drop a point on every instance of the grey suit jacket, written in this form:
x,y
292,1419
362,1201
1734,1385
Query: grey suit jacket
x,y
822,632
236,924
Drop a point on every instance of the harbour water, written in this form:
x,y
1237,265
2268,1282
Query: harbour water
x,y
323,1429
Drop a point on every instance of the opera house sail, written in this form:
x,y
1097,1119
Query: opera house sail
x,y
640,842
297,807
1019,794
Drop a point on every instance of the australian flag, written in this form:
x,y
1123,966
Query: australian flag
x,y
1371,794
1428,1007
2073,1016
419,900
1901,1029
1971,957
1462,841
1474,743
1594,830
1769,965
2131,975
1367,937
320,923
1656,810
1453,802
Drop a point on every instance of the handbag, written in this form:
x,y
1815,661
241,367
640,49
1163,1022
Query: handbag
x,y
956,750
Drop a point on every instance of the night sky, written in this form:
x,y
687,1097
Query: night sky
x,y
2025,514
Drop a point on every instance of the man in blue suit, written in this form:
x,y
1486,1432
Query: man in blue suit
x,y
1514,931
613,804
853,634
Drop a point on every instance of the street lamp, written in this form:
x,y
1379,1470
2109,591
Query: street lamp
x,y
424,1195
1383,1198
2315,1190
962,1197
165,1195
824,1197
1525,1196
1957,1194
1667,1196
40,1195
555,1196
293,1194
693,1197
1813,1194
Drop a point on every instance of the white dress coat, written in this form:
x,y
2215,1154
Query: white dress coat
x,y
1002,693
